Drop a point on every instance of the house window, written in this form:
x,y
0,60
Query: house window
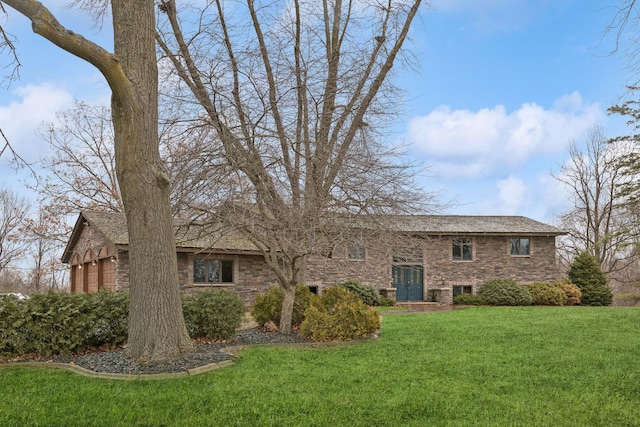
x,y
519,247
212,271
462,289
355,250
462,249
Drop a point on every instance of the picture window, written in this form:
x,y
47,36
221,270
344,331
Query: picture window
x,y
212,271
520,247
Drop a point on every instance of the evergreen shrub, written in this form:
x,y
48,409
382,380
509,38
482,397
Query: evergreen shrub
x,y
110,317
339,315
467,299
367,293
386,302
13,320
268,306
58,322
571,291
543,293
587,275
504,292
212,313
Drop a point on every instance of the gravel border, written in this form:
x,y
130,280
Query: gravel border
x,y
116,362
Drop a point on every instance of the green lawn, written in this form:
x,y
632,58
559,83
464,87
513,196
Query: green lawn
x,y
538,366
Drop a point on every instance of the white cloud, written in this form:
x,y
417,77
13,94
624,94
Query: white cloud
x,y
19,119
467,143
512,195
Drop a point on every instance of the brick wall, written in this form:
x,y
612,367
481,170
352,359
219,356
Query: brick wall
x,y
251,275
491,259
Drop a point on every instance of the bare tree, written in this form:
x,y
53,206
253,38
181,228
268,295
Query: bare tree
x,y
599,221
46,233
296,93
13,210
81,172
156,324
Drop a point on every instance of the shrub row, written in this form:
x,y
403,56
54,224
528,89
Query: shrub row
x,y
509,292
63,323
342,312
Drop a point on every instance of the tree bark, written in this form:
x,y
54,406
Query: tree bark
x,y
156,325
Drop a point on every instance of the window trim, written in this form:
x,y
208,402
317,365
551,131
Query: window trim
x,y
217,284
462,290
359,248
462,244
518,255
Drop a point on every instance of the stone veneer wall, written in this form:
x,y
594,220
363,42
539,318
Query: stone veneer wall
x,y
374,270
491,259
252,276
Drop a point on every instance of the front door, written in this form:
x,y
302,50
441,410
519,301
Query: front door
x,y
407,279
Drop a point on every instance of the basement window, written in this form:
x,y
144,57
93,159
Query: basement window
x,y
462,289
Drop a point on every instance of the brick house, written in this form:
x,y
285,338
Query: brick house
x,y
425,258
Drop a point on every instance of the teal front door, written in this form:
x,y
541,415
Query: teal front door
x,y
407,279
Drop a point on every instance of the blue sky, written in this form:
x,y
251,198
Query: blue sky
x,y
504,86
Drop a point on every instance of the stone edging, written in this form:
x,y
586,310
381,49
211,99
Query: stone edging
x,y
232,351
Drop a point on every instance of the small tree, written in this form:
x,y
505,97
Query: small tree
x,y
587,275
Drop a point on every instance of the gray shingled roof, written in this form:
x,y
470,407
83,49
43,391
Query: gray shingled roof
x,y
463,224
201,236
189,234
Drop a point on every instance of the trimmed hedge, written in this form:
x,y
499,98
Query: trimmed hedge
x,y
62,323
504,292
338,315
213,314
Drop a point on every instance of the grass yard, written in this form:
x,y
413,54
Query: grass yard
x,y
529,366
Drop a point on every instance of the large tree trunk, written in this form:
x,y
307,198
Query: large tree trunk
x,y
156,323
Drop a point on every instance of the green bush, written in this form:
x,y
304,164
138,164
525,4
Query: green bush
x,y
13,320
543,293
467,299
339,314
268,306
110,315
596,295
62,323
367,294
504,292
212,313
386,302
570,290
58,323
587,275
